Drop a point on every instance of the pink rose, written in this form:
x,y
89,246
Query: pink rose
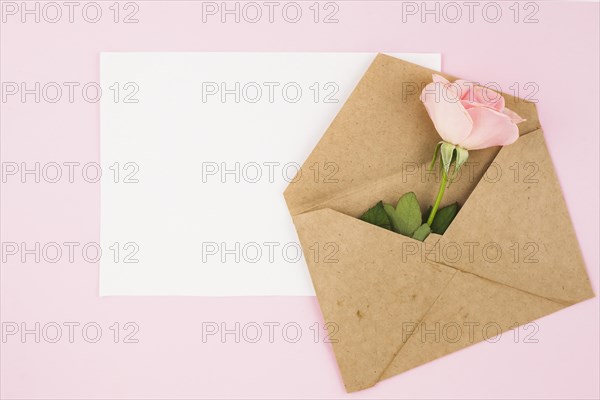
x,y
469,116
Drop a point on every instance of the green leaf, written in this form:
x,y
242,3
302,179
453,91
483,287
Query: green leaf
x,y
426,214
391,213
406,217
376,215
422,232
443,218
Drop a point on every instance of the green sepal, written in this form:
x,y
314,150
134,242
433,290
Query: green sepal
x,y
461,156
435,155
447,153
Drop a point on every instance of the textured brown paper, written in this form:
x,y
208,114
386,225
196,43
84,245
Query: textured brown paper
x,y
509,257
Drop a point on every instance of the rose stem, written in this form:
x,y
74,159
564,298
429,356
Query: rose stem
x,y
439,197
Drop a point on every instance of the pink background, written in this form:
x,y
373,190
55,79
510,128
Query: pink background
x,y
559,53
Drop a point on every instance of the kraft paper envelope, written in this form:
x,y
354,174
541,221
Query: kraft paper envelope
x,y
509,257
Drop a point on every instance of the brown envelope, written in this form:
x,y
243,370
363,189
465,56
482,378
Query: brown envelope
x,y
510,256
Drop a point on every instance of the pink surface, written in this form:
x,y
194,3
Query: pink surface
x,y
559,53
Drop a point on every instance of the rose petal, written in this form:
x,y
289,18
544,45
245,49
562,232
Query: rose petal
x,y
479,96
439,78
450,118
489,98
516,118
468,104
490,128
465,88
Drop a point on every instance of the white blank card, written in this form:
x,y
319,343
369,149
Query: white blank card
x,y
196,150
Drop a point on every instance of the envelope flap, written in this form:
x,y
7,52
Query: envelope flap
x,y
382,126
515,228
366,289
470,310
